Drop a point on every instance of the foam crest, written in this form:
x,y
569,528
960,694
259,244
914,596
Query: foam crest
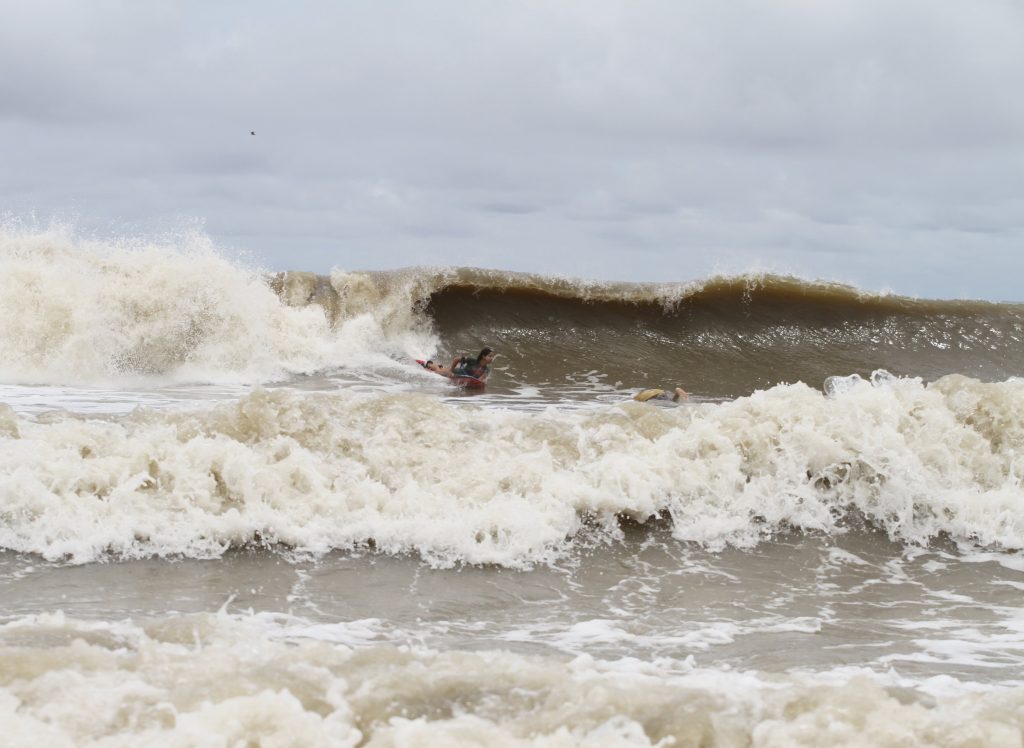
x,y
74,311
409,473
385,307
222,679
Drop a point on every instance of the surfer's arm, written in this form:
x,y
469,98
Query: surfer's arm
x,y
437,369
680,394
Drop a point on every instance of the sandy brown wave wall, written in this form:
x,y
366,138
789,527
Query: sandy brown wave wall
x,y
720,337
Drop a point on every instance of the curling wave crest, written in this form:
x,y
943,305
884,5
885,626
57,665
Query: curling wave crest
x,y
74,312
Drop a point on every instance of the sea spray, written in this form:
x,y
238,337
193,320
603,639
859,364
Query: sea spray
x,y
73,312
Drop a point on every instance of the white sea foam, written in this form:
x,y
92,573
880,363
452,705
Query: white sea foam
x,y
482,485
224,679
81,312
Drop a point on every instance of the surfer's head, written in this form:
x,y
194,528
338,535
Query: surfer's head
x,y
488,352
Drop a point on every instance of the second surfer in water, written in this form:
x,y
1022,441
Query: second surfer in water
x,y
675,396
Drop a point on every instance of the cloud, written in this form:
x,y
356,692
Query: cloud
x,y
531,134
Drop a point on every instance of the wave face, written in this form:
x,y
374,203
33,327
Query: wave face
x,y
321,472
76,312
723,337
726,336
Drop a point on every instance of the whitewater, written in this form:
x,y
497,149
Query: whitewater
x,y
233,510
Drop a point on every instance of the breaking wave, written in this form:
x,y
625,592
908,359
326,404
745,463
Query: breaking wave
x,y
408,473
76,312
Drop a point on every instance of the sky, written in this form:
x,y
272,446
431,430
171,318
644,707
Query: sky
x,y
872,142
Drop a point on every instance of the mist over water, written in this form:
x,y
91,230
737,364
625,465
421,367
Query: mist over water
x,y
232,507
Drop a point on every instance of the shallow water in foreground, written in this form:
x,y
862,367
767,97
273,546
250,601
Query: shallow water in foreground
x,y
802,641
796,602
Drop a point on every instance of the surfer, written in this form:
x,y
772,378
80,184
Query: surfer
x,y
657,394
464,366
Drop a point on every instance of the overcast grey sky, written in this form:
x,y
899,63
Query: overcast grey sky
x,y
868,141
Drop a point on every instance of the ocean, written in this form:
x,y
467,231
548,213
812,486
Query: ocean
x,y
235,512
